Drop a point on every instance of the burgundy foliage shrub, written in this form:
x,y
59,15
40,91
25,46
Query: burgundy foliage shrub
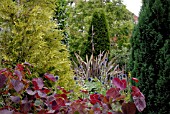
x,y
21,96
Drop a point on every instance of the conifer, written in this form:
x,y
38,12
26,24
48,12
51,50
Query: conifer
x,y
98,35
29,34
150,55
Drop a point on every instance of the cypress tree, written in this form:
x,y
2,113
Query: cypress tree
x,y
150,55
79,21
29,34
98,35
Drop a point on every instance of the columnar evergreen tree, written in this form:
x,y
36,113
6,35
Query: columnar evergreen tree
x,y
98,37
118,17
150,56
29,34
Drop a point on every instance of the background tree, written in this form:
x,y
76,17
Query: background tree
x,y
61,16
29,34
150,56
119,18
98,35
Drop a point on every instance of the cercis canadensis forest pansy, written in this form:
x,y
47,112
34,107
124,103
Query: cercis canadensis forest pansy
x,y
21,95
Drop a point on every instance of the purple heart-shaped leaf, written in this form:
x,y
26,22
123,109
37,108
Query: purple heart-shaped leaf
x,y
129,108
139,102
30,92
19,74
113,93
42,95
26,107
3,70
50,98
38,83
18,86
28,64
136,92
15,99
3,79
5,111
50,77
122,84
20,67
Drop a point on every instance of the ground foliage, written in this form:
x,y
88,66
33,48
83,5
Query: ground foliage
x,y
20,95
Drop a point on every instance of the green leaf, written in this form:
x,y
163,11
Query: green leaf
x,y
76,112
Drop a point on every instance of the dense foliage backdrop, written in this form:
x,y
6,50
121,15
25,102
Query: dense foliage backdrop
x,y
29,34
120,22
150,56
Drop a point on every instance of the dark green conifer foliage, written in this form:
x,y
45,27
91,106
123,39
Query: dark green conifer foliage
x,y
98,35
150,55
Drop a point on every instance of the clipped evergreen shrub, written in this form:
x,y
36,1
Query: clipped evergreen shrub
x,y
29,34
150,55
98,34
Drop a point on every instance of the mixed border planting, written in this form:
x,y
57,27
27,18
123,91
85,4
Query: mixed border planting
x,y
21,95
